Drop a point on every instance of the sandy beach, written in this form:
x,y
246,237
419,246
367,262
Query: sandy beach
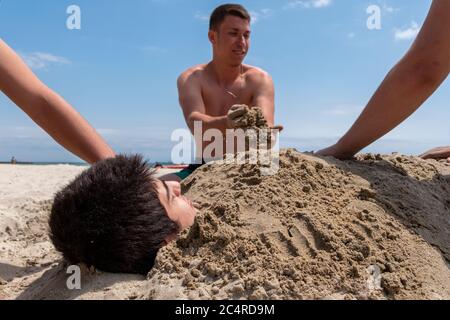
x,y
374,228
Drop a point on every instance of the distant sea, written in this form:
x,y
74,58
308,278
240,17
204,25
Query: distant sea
x,y
80,164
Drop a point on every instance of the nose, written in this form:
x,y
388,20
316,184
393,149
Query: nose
x,y
242,41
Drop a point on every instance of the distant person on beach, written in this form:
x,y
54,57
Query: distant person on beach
x,y
208,91
406,87
13,160
50,111
115,216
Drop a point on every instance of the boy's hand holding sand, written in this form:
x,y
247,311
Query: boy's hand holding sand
x,y
236,116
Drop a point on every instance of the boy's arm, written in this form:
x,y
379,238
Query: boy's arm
x,y
407,86
264,96
50,111
191,101
437,153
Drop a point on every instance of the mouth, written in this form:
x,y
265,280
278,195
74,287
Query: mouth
x,y
240,53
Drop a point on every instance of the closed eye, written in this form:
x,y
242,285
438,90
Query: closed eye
x,y
167,191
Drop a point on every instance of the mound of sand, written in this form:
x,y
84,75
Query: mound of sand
x,y
374,228
377,227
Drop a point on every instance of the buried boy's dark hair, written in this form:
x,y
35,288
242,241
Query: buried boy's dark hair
x,y
221,12
110,217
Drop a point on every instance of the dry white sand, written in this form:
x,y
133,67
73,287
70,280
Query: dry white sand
x,y
29,266
374,228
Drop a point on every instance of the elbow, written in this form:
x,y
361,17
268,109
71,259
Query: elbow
x,y
193,120
427,73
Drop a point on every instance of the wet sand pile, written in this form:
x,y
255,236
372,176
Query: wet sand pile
x,y
375,228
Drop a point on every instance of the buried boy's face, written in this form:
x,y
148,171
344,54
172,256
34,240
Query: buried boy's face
x,y
178,207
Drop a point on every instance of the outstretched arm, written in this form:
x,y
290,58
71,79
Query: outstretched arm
x,y
437,153
264,97
407,86
191,101
50,111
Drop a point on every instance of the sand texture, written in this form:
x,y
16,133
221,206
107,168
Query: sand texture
x,y
374,228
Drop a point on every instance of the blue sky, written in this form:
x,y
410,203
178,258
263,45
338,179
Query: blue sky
x,y
119,71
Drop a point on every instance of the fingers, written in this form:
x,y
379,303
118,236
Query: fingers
x,y
237,106
236,113
277,127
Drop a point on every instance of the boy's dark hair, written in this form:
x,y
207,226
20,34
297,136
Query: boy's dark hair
x,y
110,217
220,13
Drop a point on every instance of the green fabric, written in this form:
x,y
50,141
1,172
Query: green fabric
x,y
183,174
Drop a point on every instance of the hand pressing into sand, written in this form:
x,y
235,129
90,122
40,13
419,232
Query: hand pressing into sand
x,y
437,153
335,151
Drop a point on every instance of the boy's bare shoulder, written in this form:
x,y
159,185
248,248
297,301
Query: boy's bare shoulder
x,y
192,73
255,73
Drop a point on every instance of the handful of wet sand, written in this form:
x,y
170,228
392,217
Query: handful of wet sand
x,y
244,117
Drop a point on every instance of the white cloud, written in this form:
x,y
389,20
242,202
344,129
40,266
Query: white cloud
x,y
389,9
42,60
308,4
261,14
409,33
344,110
22,132
201,16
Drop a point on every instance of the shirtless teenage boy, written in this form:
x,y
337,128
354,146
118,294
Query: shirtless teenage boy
x,y
208,91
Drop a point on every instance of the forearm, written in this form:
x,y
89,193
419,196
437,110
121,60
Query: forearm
x,y
208,122
48,109
407,86
65,125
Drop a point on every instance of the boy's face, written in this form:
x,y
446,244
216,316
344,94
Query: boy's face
x,y
179,208
232,41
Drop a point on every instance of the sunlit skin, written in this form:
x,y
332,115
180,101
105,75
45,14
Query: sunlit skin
x,y
49,110
438,153
406,87
179,208
208,91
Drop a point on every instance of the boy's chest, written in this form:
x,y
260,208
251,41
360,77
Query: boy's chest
x,y
219,100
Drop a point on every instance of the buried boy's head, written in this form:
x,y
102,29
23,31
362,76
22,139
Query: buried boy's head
x,y
116,216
